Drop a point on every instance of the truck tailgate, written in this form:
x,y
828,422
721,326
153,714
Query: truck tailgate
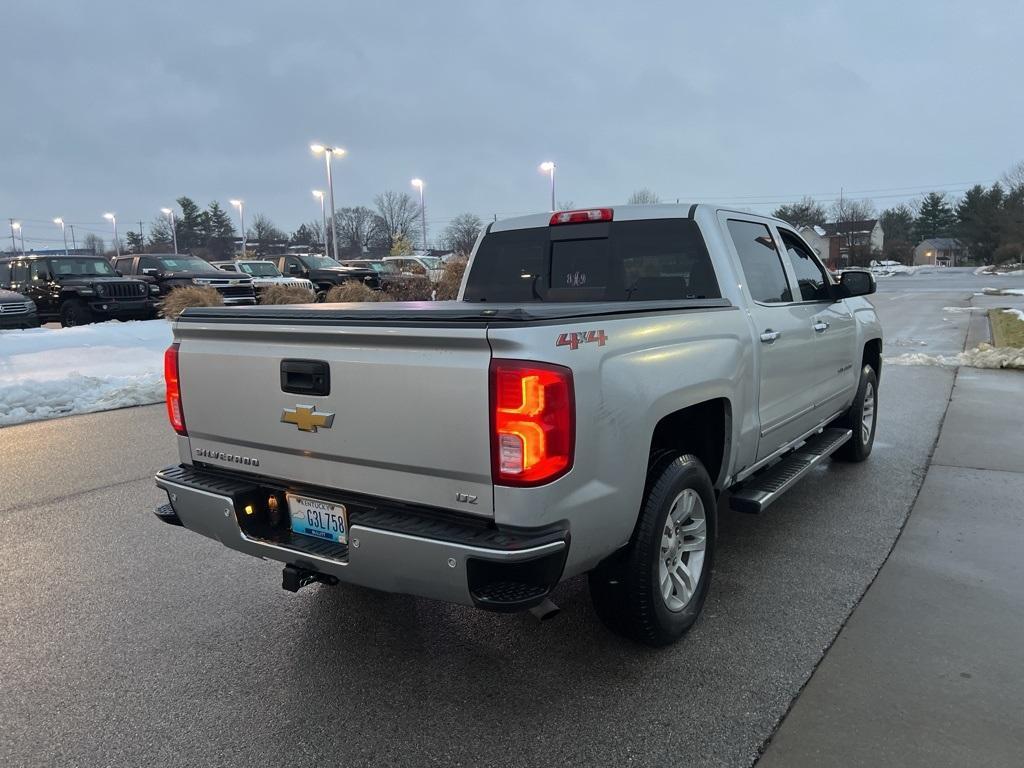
x,y
410,407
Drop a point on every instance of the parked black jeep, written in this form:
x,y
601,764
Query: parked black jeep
x,y
167,271
16,311
76,289
324,272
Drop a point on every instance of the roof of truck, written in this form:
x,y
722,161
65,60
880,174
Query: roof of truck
x,y
621,213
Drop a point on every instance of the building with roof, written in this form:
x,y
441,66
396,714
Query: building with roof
x,y
836,242
940,252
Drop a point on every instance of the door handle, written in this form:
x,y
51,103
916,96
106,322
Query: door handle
x,y
820,327
769,336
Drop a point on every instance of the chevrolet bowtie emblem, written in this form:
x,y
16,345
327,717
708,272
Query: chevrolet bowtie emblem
x,y
305,418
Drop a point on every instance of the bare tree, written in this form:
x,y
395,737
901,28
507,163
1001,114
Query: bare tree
x,y
95,242
846,209
263,230
1014,177
643,196
359,228
461,233
397,213
805,213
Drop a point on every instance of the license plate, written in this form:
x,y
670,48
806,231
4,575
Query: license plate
x,y
322,519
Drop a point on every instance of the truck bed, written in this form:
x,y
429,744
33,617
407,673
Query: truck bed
x,y
433,313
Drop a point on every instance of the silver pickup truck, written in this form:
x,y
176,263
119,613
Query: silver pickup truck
x,y
605,376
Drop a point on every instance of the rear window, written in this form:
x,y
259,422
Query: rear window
x,y
650,259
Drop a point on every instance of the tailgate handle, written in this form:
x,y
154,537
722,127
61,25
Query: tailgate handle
x,y
305,377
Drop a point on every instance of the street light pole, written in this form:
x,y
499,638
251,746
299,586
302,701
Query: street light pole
x,y
319,195
74,245
240,205
14,244
329,152
113,220
418,183
549,167
16,225
64,232
169,213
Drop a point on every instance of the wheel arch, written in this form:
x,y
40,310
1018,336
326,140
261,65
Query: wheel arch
x,y
873,356
703,429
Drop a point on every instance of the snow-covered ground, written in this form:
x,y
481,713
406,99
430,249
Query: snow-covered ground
x,y
48,372
982,356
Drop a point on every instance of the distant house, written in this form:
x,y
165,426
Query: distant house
x,y
834,242
940,251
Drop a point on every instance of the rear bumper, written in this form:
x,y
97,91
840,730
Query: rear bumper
x,y
394,550
235,301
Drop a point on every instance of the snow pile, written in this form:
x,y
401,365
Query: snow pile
x,y
56,372
897,269
988,269
1003,291
982,356
1017,312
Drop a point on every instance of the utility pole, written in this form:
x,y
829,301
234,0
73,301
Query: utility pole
x,y
142,239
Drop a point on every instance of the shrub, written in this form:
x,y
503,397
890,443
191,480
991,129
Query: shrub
x,y
180,299
1009,252
286,294
351,290
417,289
450,282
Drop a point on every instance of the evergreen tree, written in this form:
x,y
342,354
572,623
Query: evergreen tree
x,y
977,224
898,223
935,217
134,241
304,235
189,225
218,232
805,213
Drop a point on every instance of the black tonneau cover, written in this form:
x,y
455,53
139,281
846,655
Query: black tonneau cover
x,y
437,312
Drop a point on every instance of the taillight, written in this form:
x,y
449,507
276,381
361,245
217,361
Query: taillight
x,y
578,217
174,413
533,422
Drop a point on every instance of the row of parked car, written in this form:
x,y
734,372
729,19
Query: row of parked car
x,y
75,290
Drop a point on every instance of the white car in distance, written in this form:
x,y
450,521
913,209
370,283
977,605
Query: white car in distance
x,y
263,273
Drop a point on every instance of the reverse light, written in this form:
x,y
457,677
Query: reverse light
x,y
532,422
174,412
584,215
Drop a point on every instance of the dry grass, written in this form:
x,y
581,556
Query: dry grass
x,y
180,299
352,291
1007,328
286,294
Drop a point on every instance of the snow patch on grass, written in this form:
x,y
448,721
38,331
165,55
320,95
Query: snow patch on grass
x,y
46,372
982,356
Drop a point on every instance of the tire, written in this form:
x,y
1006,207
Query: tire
x,y
75,312
629,590
861,418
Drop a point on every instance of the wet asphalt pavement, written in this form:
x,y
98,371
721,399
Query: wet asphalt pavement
x,y
124,641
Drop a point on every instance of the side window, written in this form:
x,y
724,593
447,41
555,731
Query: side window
x,y
145,262
292,265
762,265
124,265
5,273
19,272
809,274
40,272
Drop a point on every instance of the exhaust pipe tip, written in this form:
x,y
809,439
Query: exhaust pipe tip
x,y
545,610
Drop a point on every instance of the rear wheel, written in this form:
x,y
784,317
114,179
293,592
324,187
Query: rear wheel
x,y
654,589
861,419
75,312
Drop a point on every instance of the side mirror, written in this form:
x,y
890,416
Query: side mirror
x,y
856,282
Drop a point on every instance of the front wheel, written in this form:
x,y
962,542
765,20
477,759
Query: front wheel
x,y
654,590
861,419
75,312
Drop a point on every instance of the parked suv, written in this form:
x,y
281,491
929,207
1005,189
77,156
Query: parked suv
x,y
76,289
167,271
388,273
324,272
17,311
263,273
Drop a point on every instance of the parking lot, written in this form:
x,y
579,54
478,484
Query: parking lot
x,y
129,642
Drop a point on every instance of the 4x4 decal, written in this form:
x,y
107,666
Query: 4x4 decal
x,y
574,339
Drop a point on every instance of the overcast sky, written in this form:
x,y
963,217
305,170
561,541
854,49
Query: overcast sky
x,y
124,107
